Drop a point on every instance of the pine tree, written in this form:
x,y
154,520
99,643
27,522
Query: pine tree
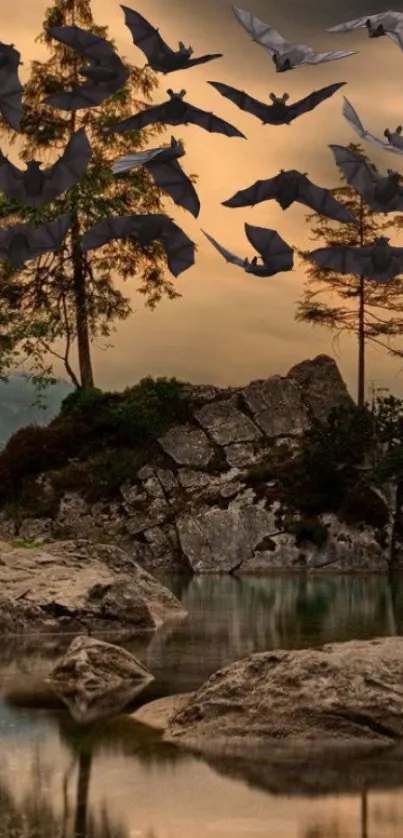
x,y
70,295
377,315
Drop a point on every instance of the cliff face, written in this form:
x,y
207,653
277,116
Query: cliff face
x,y
198,510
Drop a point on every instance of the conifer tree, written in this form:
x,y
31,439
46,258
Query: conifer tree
x,y
377,312
71,296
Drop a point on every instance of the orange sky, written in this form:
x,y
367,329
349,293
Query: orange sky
x,y
230,328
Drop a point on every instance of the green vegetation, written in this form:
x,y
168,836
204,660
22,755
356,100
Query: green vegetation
x,y
97,442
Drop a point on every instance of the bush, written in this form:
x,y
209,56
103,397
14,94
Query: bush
x,y
307,529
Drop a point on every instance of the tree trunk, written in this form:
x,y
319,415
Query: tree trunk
x,y
361,345
83,784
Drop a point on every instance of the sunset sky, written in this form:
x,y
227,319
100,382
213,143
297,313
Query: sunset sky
x,y
230,328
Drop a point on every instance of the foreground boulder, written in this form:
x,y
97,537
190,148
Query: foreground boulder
x,y
75,585
343,694
96,679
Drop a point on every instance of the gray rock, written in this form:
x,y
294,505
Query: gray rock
x,y
187,446
240,454
225,424
321,385
96,679
277,406
341,694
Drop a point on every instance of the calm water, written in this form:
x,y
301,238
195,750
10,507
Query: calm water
x,y
119,781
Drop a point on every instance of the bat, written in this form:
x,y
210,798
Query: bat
x,y
385,23
105,75
175,111
33,187
394,138
380,261
23,242
161,57
180,250
166,172
277,256
285,54
287,187
11,89
382,194
278,113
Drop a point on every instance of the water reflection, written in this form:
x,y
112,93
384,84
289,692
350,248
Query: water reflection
x,y
117,779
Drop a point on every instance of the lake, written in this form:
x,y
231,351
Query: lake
x,y
118,780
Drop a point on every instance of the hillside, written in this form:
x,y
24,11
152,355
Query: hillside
x,y
17,409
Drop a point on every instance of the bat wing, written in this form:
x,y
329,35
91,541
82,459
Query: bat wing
x,y
132,161
145,36
272,248
170,177
228,256
388,19
342,259
356,170
313,57
88,95
11,91
179,248
261,190
203,59
149,116
49,236
322,201
350,114
11,180
260,32
313,100
242,100
210,122
69,169
84,42
108,229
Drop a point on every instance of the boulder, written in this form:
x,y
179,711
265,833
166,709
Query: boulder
x,y
96,679
321,384
342,695
71,585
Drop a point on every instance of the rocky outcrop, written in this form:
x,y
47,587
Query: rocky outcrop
x,y
340,695
96,679
75,585
196,510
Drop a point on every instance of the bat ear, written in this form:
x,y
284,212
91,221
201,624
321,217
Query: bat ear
x,y
286,97
399,129
386,133
272,97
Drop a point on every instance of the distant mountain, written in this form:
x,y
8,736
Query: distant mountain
x,y
16,404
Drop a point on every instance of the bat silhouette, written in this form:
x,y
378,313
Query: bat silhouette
x,y
160,56
105,75
175,111
278,113
394,138
285,55
23,242
10,86
180,250
166,172
276,255
382,194
380,261
385,23
33,187
287,187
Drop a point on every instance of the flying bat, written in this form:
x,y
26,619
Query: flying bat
x,y
287,187
385,23
394,138
160,56
166,172
275,253
105,74
180,250
382,194
175,111
23,242
380,261
33,187
278,113
11,89
285,54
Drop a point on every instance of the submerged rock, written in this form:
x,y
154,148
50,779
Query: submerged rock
x,y
76,585
96,679
343,694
